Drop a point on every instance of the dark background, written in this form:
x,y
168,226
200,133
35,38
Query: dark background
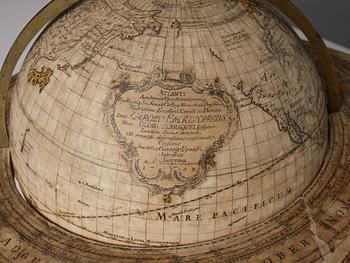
x,y
331,18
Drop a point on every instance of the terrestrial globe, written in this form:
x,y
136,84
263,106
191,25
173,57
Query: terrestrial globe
x,y
161,123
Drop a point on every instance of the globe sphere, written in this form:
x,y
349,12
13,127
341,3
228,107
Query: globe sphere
x,y
166,123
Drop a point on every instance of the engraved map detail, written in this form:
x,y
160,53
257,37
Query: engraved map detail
x,y
171,128
166,124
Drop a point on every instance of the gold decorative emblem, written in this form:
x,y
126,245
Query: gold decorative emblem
x,y
40,78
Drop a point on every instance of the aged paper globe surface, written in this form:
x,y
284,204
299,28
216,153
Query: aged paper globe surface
x,y
161,123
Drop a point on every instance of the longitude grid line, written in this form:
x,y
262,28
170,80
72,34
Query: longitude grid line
x,y
273,84
35,103
194,31
173,34
273,168
212,64
148,192
43,146
140,63
189,13
95,127
226,26
74,158
229,144
263,114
